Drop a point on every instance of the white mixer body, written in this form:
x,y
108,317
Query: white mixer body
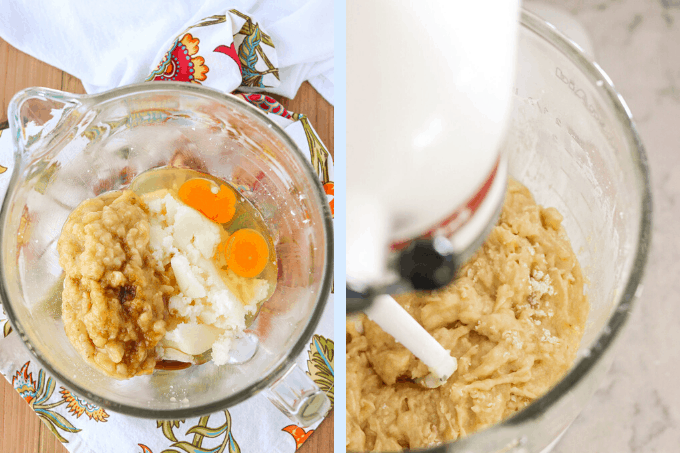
x,y
429,87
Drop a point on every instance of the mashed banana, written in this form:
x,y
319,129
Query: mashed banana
x,y
114,303
514,319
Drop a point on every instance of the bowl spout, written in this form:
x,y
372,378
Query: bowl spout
x,y
39,116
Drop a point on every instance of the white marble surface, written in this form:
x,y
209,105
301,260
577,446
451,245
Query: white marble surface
x,y
637,409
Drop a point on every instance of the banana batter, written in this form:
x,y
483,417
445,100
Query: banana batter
x,y
514,319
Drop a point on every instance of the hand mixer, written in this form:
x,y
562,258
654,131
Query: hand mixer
x,y
428,94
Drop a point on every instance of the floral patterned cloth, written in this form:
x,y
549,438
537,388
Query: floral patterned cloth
x,y
200,55
239,52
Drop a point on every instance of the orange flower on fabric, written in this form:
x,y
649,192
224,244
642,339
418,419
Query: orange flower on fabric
x,y
38,394
24,384
298,434
329,188
78,407
181,63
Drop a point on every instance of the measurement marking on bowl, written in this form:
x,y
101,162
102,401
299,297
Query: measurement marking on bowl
x,y
581,94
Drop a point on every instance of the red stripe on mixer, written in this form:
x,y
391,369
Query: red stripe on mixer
x,y
459,217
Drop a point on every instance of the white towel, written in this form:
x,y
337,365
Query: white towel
x,y
110,44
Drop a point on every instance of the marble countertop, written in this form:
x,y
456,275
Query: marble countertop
x,y
637,408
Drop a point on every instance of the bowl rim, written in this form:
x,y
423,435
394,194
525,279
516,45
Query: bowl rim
x,y
285,363
633,286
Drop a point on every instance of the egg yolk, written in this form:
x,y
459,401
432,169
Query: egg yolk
x,y
247,252
198,193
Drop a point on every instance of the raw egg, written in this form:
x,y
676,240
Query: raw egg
x,y
216,204
247,252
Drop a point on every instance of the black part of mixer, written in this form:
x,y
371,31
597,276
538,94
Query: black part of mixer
x,y
426,266
357,301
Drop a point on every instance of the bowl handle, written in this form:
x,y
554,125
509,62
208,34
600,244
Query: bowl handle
x,y
297,396
37,115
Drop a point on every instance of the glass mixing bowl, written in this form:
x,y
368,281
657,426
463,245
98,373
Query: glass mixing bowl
x,y
69,148
572,142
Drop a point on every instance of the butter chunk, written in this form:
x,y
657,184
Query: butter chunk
x,y
191,338
229,311
188,283
193,229
212,306
182,306
221,348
